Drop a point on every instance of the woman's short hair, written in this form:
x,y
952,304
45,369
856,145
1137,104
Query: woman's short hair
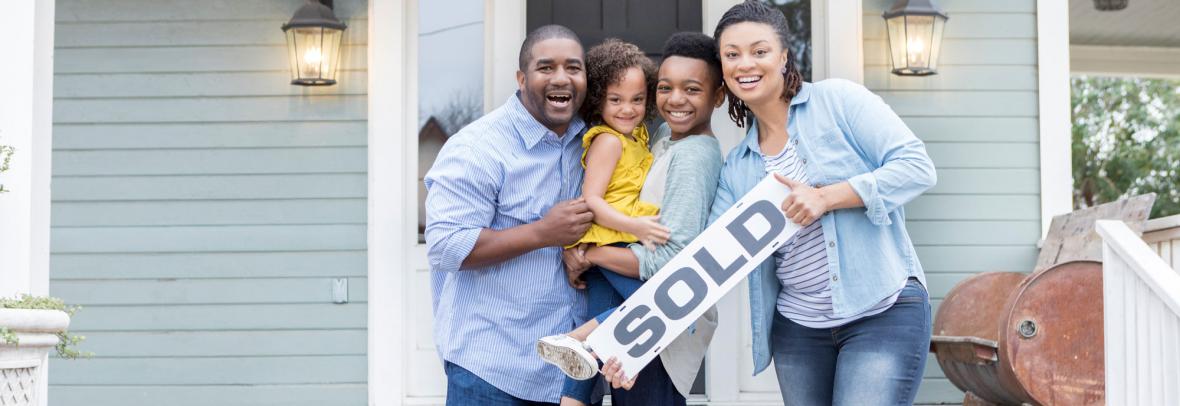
x,y
759,12
606,64
696,45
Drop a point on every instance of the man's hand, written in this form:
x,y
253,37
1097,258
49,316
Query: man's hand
x,y
575,262
805,204
565,223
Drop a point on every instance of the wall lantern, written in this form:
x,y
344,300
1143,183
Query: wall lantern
x,y
915,36
313,44
1110,5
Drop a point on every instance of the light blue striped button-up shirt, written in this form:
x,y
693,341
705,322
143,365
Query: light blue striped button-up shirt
x,y
502,171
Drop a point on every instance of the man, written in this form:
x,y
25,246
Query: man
x,y
501,202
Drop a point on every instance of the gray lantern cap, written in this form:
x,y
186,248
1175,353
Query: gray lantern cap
x,y
314,14
914,8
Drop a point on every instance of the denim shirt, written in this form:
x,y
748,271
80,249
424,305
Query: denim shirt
x,y
843,133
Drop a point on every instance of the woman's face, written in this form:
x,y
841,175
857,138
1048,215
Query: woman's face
x,y
624,106
752,59
686,96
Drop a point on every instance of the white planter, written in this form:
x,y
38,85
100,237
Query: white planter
x,y
23,367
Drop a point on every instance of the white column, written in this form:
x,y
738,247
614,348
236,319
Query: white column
x,y
1054,105
837,40
505,27
26,105
391,209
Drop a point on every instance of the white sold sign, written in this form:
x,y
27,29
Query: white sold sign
x,y
696,278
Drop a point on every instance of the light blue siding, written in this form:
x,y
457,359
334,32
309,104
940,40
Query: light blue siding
x,y
202,207
978,117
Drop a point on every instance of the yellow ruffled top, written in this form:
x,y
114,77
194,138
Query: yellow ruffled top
x,y
626,181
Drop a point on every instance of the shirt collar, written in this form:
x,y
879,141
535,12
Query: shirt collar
x,y
532,131
751,141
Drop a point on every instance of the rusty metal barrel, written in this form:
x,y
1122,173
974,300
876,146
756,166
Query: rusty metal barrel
x,y
1008,338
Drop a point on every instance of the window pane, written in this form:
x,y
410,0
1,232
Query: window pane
x,y
798,13
450,79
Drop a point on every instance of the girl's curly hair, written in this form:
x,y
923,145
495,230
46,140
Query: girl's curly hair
x,y
605,65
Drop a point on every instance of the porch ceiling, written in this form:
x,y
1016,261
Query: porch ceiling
x,y
1144,23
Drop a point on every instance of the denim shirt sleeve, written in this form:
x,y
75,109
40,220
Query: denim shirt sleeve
x,y
724,199
903,170
460,203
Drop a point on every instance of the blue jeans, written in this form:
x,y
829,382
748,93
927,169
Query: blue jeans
x,y
466,389
605,291
876,360
653,387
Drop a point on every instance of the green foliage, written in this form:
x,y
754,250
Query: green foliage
x,y
5,159
1126,141
67,343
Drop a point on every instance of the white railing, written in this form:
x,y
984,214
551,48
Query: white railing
x,y
1141,301
1163,235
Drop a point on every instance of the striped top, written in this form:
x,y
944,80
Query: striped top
x,y
502,171
802,263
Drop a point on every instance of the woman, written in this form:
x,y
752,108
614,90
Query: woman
x,y
841,306
683,180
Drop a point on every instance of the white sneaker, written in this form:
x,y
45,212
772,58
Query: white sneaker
x,y
568,354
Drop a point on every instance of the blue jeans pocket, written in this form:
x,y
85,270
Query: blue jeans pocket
x,y
913,292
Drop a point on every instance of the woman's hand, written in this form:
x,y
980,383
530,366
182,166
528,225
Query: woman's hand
x,y
612,371
805,204
650,231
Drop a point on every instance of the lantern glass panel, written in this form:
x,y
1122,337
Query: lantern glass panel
x,y
292,54
331,53
315,54
936,42
919,31
896,28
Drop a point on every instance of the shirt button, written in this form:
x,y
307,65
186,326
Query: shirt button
x,y
795,141
805,161
832,244
835,278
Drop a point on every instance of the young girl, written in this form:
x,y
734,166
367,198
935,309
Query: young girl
x,y
620,83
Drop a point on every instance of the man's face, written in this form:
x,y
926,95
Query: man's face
x,y
553,85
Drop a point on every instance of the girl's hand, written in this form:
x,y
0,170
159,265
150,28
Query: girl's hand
x,y
612,371
805,204
650,231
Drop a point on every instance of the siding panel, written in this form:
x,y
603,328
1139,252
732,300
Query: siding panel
x,y
245,317
978,117
68,137
202,206
226,395
208,265
210,212
187,59
226,343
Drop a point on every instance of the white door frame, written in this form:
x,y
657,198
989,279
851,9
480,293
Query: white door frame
x,y
395,260
392,170
1055,123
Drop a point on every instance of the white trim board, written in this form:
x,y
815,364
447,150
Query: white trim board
x,y
837,39
1054,109
391,53
26,110
504,30
1147,62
